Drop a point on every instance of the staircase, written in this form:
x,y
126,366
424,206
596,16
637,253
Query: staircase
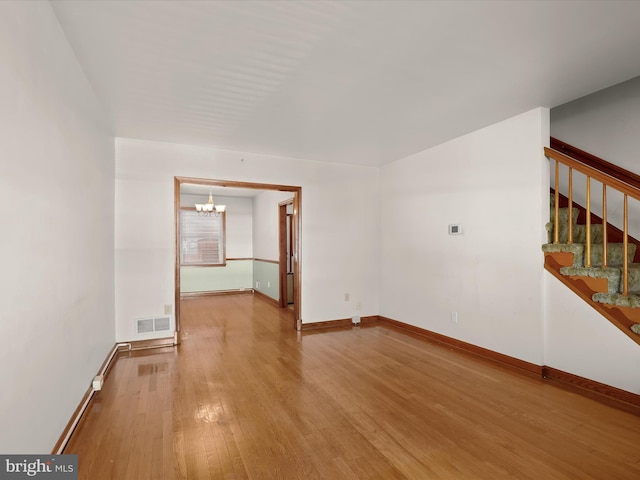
x,y
600,286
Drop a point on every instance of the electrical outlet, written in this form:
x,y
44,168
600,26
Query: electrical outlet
x,y
268,284
359,306
97,383
346,297
454,317
168,309
257,284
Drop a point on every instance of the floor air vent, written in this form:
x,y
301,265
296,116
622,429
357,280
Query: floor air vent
x,y
150,325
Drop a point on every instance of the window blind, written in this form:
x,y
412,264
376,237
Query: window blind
x,y
201,239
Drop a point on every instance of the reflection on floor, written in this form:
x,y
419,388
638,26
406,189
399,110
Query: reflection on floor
x,y
245,396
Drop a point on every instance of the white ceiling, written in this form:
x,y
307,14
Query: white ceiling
x,y
342,81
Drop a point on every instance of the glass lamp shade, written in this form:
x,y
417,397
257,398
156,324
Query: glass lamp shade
x,y
209,207
204,207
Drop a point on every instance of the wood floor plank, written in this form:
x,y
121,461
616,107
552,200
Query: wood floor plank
x,y
246,397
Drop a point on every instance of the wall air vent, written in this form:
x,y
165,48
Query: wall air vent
x,y
162,324
145,325
153,324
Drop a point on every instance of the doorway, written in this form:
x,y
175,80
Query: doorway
x,y
295,243
287,265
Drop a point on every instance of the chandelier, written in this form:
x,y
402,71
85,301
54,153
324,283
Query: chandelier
x,y
209,208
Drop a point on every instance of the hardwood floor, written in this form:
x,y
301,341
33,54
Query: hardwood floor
x,y
245,396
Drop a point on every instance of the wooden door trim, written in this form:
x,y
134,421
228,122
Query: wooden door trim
x,y
295,225
282,254
176,299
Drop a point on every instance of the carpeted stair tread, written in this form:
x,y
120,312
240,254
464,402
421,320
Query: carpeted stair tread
x,y
615,253
632,300
576,248
563,220
613,274
563,215
579,233
634,276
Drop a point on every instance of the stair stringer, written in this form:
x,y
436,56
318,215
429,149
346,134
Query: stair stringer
x,y
585,287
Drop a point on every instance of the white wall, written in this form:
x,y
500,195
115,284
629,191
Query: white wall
x,y
265,224
491,275
580,341
494,182
57,317
605,124
340,225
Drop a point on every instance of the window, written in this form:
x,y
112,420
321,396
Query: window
x,y
202,239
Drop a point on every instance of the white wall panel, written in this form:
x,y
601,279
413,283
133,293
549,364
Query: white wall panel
x,y
56,153
580,341
491,182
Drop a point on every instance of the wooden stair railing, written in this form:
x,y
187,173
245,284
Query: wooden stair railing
x,y
611,177
607,181
596,162
610,169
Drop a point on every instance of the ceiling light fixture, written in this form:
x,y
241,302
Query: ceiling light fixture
x,y
206,209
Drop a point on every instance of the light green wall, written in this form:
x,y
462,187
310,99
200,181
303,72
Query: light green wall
x,y
266,275
235,275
